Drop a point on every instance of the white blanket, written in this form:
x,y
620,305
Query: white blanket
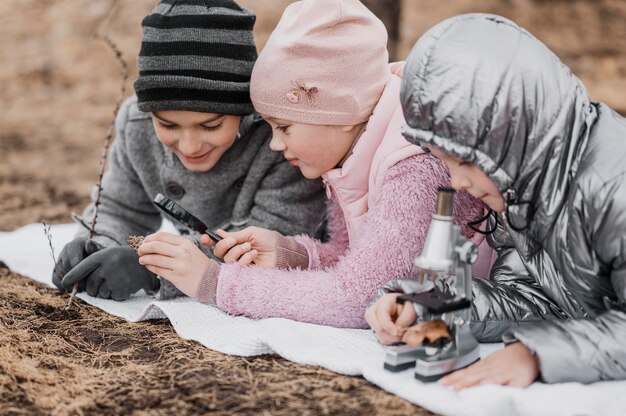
x,y
345,351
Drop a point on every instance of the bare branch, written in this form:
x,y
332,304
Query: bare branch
x,y
109,136
46,231
108,17
107,140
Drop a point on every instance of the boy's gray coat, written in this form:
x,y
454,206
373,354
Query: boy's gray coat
x,y
250,185
488,92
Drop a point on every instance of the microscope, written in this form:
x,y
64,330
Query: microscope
x,y
445,273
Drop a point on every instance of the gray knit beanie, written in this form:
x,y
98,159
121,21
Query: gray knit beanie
x,y
196,55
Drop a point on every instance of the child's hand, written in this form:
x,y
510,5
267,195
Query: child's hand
x,y
175,258
205,240
252,245
390,319
72,254
513,366
111,273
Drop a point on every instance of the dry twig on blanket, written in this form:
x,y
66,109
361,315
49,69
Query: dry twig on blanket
x,y
48,233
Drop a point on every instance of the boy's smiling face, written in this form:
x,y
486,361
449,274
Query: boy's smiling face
x,y
469,177
198,139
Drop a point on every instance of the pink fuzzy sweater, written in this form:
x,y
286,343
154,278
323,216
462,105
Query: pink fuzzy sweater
x,y
343,276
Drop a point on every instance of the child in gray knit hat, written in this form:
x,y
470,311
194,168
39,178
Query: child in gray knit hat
x,y
191,134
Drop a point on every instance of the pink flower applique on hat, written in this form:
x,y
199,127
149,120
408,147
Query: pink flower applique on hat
x,y
300,87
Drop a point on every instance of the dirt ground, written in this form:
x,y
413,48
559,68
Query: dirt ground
x,y
57,92
83,361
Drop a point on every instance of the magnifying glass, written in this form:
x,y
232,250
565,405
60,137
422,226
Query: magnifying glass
x,y
181,215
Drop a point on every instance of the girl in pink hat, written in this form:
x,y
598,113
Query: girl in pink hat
x,y
324,84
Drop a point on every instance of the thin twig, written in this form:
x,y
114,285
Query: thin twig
x,y
48,233
109,136
108,16
107,141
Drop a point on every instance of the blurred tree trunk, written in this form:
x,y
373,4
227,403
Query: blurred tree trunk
x,y
389,12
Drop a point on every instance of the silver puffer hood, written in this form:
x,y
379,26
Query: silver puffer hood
x,y
484,90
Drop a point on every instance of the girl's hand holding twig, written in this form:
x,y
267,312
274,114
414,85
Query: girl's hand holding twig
x,y
175,258
252,245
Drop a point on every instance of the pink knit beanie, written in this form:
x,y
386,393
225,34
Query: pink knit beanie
x,y
325,63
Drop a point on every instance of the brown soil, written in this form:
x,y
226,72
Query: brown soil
x,y
83,361
57,92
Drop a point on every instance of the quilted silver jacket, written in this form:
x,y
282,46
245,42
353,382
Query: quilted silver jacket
x,y
486,91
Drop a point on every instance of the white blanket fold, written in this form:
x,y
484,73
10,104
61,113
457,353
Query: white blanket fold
x,y
346,351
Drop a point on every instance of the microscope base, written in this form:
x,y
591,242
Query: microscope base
x,y
432,368
401,357
399,367
435,377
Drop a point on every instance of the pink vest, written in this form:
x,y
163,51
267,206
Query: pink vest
x,y
358,182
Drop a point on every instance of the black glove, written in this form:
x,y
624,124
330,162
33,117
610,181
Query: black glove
x,y
73,253
112,273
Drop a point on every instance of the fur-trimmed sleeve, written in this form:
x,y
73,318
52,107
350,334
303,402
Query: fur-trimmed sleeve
x,y
324,255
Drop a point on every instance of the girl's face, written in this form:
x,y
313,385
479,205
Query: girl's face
x,y
469,177
312,148
198,139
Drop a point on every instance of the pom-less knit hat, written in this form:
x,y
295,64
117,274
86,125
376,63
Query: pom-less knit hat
x,y
326,63
196,55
